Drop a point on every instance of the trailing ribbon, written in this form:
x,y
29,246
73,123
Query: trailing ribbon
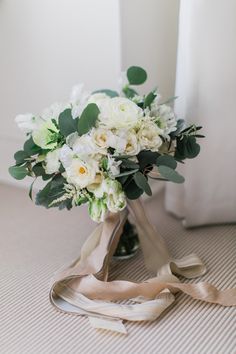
x,y
83,289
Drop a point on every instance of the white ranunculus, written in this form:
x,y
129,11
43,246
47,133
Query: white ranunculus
x,y
149,136
28,122
52,161
46,135
97,210
119,112
81,173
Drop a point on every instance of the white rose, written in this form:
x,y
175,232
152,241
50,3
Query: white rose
x,y
52,161
81,173
27,122
132,144
148,136
119,112
100,137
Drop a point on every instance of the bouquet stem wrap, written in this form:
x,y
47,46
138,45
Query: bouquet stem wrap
x,y
83,289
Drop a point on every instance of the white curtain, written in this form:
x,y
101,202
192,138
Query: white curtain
x,y
206,86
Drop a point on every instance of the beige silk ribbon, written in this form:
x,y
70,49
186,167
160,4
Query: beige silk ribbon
x,y
83,289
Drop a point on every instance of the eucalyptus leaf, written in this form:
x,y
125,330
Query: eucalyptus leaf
x,y
126,173
129,92
18,172
88,118
129,164
166,160
20,156
108,92
31,148
142,183
132,191
136,75
67,124
31,189
170,174
147,157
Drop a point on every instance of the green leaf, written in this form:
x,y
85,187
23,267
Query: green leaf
x,y
192,148
108,92
67,124
147,157
142,183
179,127
18,172
88,118
132,191
126,173
166,160
136,75
170,174
38,170
31,189
53,190
31,148
129,164
20,156
129,92
149,99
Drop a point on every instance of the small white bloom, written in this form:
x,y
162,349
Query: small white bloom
x,y
78,100
100,137
98,98
118,140
28,122
113,166
119,112
166,119
66,156
52,161
116,200
84,146
149,136
53,111
132,144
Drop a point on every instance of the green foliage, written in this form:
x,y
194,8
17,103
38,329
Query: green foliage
x,y
136,75
166,160
127,173
179,127
67,124
18,172
31,148
129,92
149,99
132,191
129,164
53,190
108,92
142,183
186,147
88,118
170,174
21,156
146,158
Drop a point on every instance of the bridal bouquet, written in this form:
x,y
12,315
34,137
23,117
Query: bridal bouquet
x,y
102,148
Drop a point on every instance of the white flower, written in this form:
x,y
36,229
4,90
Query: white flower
x,y
118,140
80,173
78,100
28,122
52,161
46,135
53,111
84,145
149,136
166,119
98,98
113,166
132,146
97,210
119,112
100,137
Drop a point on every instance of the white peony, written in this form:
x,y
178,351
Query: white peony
x,y
149,136
52,161
28,122
119,112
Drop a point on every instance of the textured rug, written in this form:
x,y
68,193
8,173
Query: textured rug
x,y
35,242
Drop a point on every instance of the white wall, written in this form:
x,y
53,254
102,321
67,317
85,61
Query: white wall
x,y
149,32
46,47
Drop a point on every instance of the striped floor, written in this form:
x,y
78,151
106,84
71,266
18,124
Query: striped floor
x,y
35,242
